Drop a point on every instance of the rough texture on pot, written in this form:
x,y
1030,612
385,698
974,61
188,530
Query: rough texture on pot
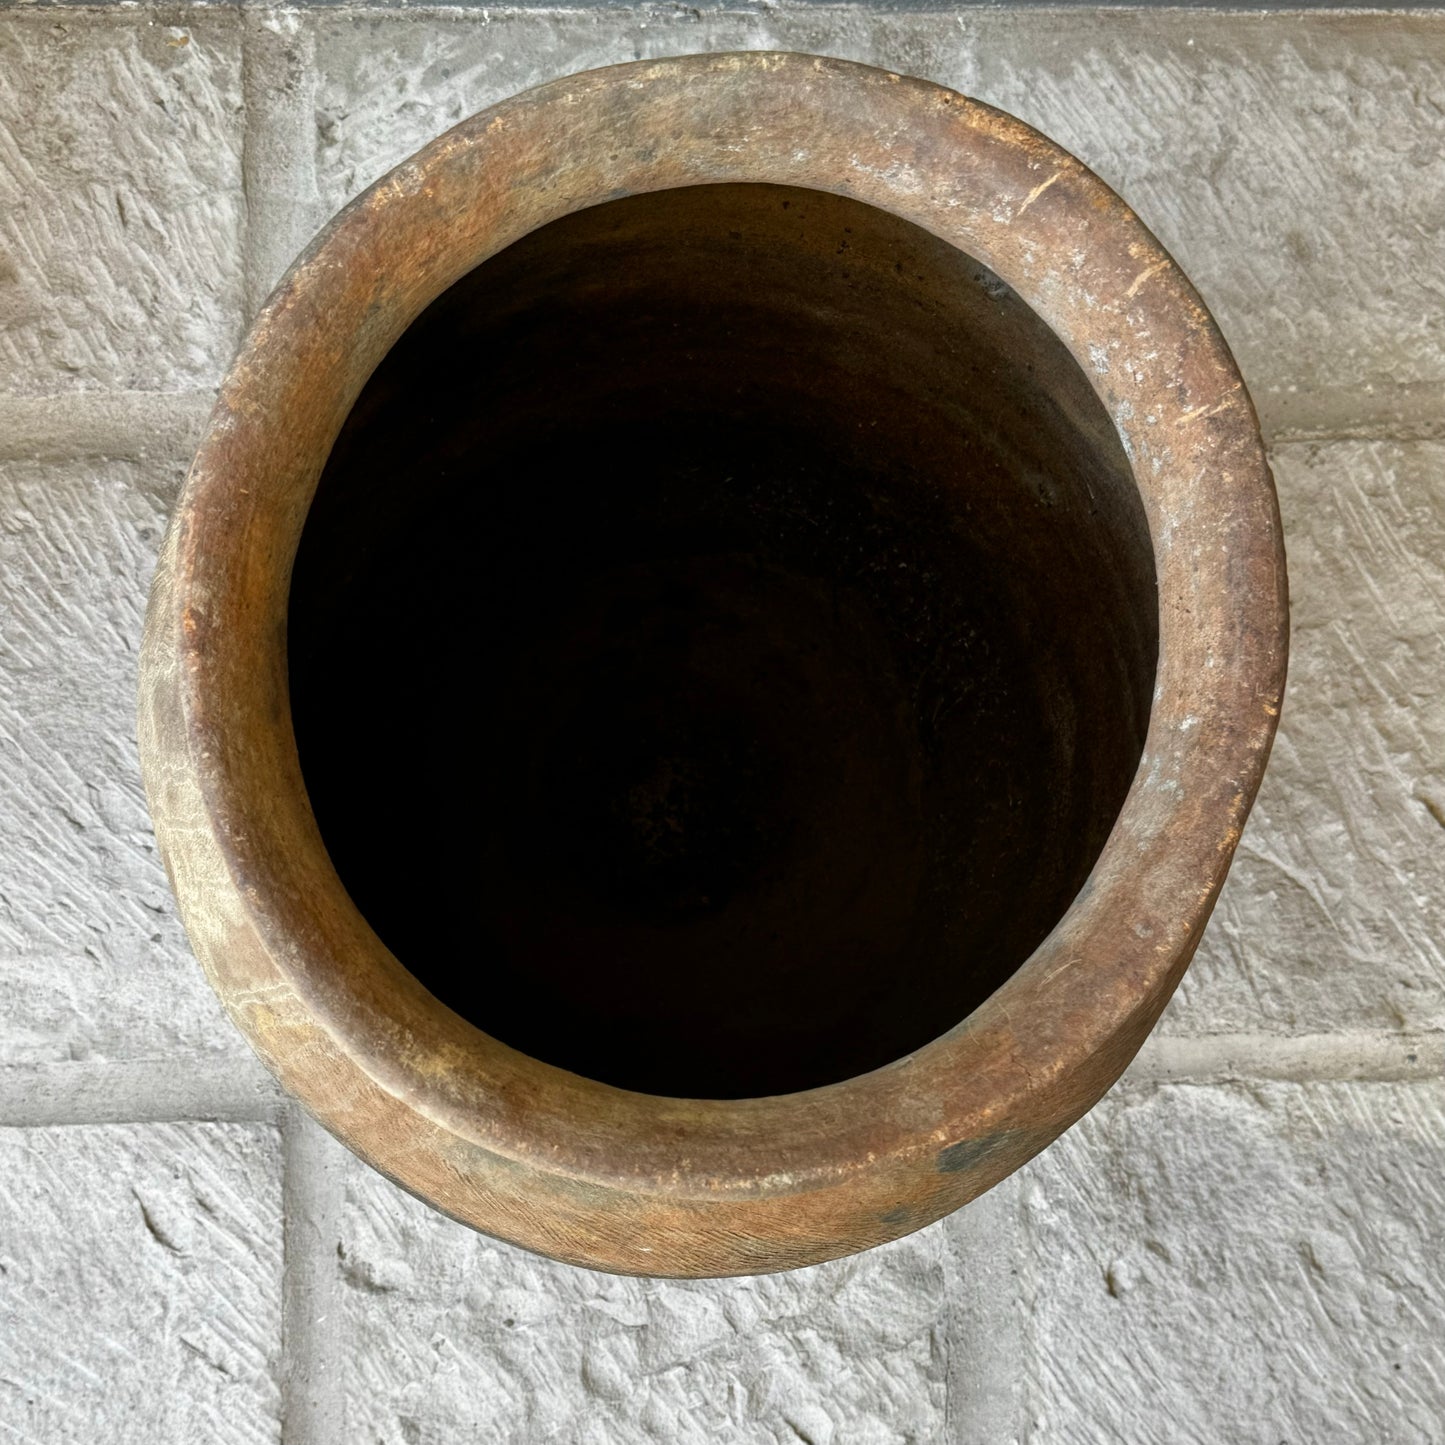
x,y
572,1166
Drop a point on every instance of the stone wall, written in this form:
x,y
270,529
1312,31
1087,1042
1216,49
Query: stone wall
x,y
1244,1243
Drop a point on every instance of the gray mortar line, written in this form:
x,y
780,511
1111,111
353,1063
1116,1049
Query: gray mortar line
x,y
156,1091
1404,412
278,146
981,1248
278,171
130,425
1307,1058
207,1087
137,425
140,425
667,9
311,1394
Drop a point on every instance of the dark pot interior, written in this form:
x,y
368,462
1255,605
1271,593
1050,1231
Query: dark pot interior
x,y
722,641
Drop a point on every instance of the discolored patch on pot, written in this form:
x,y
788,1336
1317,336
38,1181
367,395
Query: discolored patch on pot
x,y
970,1153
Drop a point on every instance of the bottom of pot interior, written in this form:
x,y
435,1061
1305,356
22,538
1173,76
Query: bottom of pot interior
x,y
722,641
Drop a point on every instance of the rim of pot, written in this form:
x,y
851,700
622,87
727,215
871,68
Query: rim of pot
x,y
523,1149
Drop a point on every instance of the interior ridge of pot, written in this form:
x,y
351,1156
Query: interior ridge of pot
x,y
722,640
746,586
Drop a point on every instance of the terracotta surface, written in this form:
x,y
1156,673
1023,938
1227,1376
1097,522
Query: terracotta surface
x,y
578,1169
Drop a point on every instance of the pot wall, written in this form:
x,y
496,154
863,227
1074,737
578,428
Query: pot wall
x,y
517,1146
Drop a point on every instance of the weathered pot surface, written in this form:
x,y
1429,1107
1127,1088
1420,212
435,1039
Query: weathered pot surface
x,y
787,648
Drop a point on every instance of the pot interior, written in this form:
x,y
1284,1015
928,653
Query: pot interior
x,y
722,641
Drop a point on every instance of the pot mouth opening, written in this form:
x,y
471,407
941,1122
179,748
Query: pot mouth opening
x,y
722,640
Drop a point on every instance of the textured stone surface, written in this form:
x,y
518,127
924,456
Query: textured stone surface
x,y
449,1336
1333,917
385,89
140,1279
93,962
1239,1264
1192,1264
1294,164
120,199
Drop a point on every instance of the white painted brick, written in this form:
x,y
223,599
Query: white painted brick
x,y
1333,918
390,84
140,1279
448,1336
93,962
1239,1264
120,200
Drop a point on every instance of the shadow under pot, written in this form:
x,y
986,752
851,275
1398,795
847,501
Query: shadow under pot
x,y
699,696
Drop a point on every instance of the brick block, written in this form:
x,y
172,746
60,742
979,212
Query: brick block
x,y
1334,914
140,1282
388,84
93,961
1242,1263
446,1335
121,209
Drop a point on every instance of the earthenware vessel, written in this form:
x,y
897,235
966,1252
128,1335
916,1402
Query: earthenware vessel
x,y
705,679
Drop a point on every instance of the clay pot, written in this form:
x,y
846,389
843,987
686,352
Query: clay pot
x,y
710,666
